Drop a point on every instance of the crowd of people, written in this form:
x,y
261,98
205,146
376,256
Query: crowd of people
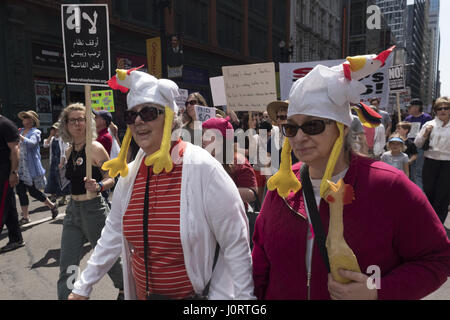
x,y
255,209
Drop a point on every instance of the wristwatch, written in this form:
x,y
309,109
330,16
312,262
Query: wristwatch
x,y
100,184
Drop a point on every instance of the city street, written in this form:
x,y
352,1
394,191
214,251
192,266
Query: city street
x,y
31,272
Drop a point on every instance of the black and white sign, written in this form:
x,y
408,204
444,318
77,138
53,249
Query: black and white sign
x,y
396,78
85,30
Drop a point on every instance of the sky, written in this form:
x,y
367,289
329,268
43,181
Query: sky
x,y
444,63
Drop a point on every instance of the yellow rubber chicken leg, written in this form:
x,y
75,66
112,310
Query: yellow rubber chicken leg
x,y
161,159
119,164
284,180
340,255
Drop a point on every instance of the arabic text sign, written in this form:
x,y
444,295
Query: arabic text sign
x,y
250,87
85,31
102,100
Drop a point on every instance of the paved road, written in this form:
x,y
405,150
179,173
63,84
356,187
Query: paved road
x,y
31,272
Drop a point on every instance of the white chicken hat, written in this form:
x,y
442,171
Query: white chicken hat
x,y
145,88
327,93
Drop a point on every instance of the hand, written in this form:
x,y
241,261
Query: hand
x,y
13,179
113,128
21,137
91,185
61,165
355,290
74,296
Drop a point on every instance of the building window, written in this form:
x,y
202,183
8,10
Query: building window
x,y
257,42
192,19
229,30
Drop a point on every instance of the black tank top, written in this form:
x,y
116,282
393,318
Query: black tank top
x,y
76,171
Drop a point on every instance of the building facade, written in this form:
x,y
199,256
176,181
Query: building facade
x,y
213,33
432,47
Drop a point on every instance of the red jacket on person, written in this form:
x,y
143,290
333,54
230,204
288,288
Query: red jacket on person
x,y
390,224
105,138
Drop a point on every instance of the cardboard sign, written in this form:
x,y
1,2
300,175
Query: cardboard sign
x,y
250,87
397,78
377,83
204,113
85,30
218,91
181,99
102,100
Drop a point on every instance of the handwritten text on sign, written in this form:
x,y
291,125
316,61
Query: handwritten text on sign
x,y
250,87
204,113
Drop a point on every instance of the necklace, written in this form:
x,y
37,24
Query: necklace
x,y
77,159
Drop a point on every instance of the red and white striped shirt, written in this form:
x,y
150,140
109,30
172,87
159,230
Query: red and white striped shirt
x,y
166,268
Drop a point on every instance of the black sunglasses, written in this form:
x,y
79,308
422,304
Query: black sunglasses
x,y
282,117
442,108
192,103
147,113
311,128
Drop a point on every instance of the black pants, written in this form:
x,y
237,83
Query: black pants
x,y
22,189
436,185
8,212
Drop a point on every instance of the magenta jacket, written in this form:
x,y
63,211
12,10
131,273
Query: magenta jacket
x,y
390,224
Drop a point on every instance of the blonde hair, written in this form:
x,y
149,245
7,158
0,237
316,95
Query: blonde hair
x,y
440,101
64,118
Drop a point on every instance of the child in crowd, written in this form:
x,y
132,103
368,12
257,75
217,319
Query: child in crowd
x,y
395,155
403,129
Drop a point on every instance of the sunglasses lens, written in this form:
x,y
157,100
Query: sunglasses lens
x,y
129,116
289,130
313,127
148,113
282,117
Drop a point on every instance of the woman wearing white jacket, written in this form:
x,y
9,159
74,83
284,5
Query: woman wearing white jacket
x,y
176,215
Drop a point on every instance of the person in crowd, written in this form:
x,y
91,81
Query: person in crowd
x,y
58,185
9,178
417,118
436,167
114,132
248,145
376,140
277,111
386,118
31,173
171,189
103,120
384,217
395,155
403,128
262,165
240,169
195,98
87,210
358,135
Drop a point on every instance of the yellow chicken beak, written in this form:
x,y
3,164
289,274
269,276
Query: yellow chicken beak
x,y
356,63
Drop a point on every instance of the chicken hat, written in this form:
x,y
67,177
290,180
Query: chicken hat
x,y
327,93
145,88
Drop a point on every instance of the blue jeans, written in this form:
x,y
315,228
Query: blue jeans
x,y
416,169
83,222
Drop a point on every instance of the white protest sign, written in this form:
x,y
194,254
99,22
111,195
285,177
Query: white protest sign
x,y
377,83
204,113
181,99
250,87
218,91
415,128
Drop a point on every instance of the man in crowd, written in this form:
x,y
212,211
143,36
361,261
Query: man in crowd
x,y
9,178
386,118
102,121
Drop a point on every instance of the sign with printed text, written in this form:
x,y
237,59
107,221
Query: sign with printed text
x,y
154,57
377,83
102,100
250,87
397,78
218,91
204,113
85,30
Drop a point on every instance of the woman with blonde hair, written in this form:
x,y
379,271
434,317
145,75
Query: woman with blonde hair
x,y
85,214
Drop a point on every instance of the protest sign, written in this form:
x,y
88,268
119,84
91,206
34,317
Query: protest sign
x,y
85,30
102,100
377,83
250,87
204,113
218,91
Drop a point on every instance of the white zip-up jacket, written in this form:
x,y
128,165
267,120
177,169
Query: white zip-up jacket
x,y
210,209
439,140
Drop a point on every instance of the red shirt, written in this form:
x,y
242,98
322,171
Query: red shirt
x,y
166,268
105,139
